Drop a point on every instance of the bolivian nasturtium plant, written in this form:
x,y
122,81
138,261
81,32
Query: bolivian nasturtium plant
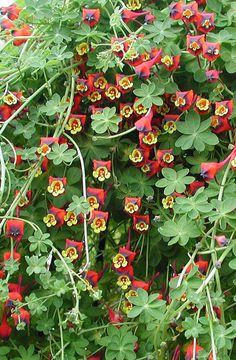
x,y
118,194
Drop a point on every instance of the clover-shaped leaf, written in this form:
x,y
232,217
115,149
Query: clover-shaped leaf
x,y
60,153
107,120
78,205
36,264
174,180
149,94
39,242
54,105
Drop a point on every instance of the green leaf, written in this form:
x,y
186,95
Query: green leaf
x,y
78,205
149,94
54,106
192,327
36,265
174,180
39,242
60,154
107,120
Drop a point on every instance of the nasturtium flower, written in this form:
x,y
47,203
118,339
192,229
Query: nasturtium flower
x,y
124,282
141,223
24,200
168,202
176,10
205,22
126,306
209,170
12,11
151,167
213,75
95,96
55,217
170,126
56,186
82,87
12,297
43,168
134,4
170,63
15,255
119,261
132,205
45,145
72,219
224,108
210,51
124,83
129,15
5,112
101,169
90,16
115,316
190,349
149,139
15,229
75,123
118,46
82,49
194,186
143,70
23,316
99,221
139,108
95,197
5,328
93,276
195,44
25,30
138,156
189,12
112,92
165,157
73,249
202,105
10,99
220,124
97,80
184,99
131,293
144,124
126,110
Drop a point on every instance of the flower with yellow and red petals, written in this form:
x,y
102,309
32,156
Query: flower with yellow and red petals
x,y
56,186
95,110
224,108
124,83
189,12
10,99
99,221
95,96
7,255
126,306
11,11
141,223
170,63
22,316
112,93
25,30
101,169
184,99
25,200
149,139
75,123
137,284
138,156
115,317
168,202
139,108
5,112
131,293
144,69
93,277
213,75
210,51
195,44
82,49
165,157
45,145
119,261
124,282
134,4
126,110
176,10
55,217
73,249
220,124
202,106
205,22
43,168
95,198
82,87
15,229
90,16
72,219
97,80
144,124
132,205
169,126
5,329
151,167
190,350
117,46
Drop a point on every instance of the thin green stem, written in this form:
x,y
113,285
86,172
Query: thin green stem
x,y
61,334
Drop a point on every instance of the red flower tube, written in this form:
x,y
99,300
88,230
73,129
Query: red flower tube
x,y
7,24
209,170
176,10
141,223
210,51
90,16
11,11
189,351
24,316
55,217
144,124
132,205
5,112
144,70
151,167
195,44
7,255
15,229
184,100
189,12
23,31
213,75
129,15
101,169
205,22
224,108
219,124
5,329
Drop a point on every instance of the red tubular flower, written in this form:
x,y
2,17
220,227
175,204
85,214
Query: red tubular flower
x,y
144,70
176,354
99,221
141,223
95,357
95,198
24,201
83,87
137,284
209,170
90,16
2,274
194,186
151,167
195,44
76,104
176,10
189,12
205,22
202,266
224,109
189,351
93,276
5,329
73,249
124,83
6,24
45,143
5,112
75,123
23,31
144,124
55,217
149,139
56,186
7,256
202,105
12,297
115,316
221,240
101,169
112,92
15,229
129,15
170,63
24,316
126,110
97,80
165,157
213,75
149,18
184,100
132,205
139,156
11,11
210,51
219,124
